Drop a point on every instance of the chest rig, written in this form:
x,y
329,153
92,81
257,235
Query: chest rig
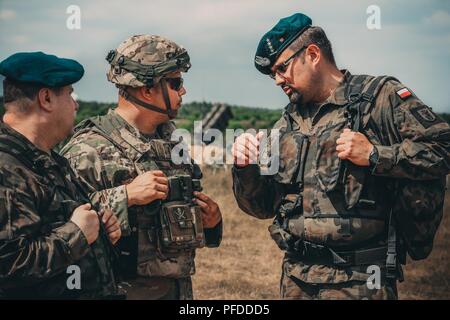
x,y
165,233
318,185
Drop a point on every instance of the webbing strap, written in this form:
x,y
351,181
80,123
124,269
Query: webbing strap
x,y
321,254
391,258
127,96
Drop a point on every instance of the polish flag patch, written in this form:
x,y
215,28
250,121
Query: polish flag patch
x,y
404,93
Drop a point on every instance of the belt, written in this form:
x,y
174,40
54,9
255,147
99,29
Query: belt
x,y
319,254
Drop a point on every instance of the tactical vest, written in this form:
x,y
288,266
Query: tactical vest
x,y
166,233
61,195
314,162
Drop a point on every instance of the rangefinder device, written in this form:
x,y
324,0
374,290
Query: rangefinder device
x,y
182,187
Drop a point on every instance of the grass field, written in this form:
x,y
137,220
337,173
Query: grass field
x,y
248,263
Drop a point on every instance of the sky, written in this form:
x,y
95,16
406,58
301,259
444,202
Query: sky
x,y
221,36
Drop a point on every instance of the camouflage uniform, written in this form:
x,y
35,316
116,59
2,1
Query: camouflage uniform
x,y
109,153
107,168
330,215
38,193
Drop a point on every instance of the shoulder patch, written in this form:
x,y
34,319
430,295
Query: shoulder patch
x,y
404,93
425,116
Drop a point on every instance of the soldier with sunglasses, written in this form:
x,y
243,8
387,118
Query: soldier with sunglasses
x,y
361,181
126,156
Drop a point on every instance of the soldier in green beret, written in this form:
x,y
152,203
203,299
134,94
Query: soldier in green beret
x,y
362,167
53,242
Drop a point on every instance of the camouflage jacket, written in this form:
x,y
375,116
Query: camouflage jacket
x,y
327,219
38,242
107,170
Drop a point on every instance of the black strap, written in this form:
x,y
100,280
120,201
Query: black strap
x,y
320,254
361,99
361,105
391,257
124,93
172,114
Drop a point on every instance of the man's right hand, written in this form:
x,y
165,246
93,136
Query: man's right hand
x,y
147,187
245,149
88,222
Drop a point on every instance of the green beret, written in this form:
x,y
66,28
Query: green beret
x,y
40,68
279,38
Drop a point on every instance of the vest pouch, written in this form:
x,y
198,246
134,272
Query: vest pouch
x,y
284,228
293,150
181,227
332,172
328,164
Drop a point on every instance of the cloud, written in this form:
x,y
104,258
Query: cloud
x,y
7,14
439,18
221,37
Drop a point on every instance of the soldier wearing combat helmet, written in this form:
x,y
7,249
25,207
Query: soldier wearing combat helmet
x,y
126,156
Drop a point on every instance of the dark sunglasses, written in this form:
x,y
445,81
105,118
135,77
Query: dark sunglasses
x,y
175,83
282,67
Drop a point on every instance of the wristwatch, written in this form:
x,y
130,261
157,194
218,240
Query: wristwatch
x,y
373,157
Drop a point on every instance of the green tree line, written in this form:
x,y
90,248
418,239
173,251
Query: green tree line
x,y
243,117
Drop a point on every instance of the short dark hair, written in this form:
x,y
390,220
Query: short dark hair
x,y
14,91
317,36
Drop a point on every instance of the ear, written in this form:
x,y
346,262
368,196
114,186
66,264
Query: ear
x,y
148,93
45,97
313,54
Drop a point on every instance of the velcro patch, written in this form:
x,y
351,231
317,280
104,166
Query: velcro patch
x,y
425,116
404,93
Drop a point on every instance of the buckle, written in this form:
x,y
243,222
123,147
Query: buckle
x,y
353,97
367,97
110,56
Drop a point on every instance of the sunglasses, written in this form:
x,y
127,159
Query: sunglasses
x,y
175,83
282,67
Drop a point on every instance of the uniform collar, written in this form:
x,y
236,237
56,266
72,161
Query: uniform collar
x,y
133,130
38,157
337,98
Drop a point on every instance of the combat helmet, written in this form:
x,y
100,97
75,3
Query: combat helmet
x,y
144,60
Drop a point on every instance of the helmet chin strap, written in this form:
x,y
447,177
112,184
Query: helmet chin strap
x,y
171,113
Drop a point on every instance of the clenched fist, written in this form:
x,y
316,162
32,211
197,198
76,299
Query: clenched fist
x,y
245,149
354,146
88,222
147,187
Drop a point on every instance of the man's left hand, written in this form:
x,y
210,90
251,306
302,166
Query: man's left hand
x,y
354,146
112,225
211,215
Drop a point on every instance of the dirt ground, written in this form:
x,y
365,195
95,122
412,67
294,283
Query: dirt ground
x,y
248,263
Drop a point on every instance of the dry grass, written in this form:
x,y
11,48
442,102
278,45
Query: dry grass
x,y
248,263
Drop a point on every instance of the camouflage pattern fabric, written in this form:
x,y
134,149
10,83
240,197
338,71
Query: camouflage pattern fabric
x,y
147,50
331,214
38,193
157,288
107,169
294,288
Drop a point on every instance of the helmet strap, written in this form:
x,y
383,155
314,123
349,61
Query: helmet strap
x,y
127,96
172,113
